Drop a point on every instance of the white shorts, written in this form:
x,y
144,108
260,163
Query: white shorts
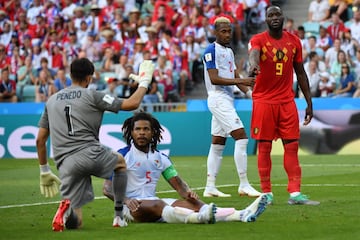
x,y
129,217
224,117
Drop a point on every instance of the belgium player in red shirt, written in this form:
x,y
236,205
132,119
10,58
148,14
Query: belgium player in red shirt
x,y
273,56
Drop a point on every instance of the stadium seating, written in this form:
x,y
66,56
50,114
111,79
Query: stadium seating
x,y
28,94
311,28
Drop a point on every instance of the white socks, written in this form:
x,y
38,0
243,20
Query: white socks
x,y
240,157
214,163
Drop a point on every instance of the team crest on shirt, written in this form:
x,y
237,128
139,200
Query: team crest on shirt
x,y
157,163
208,57
256,130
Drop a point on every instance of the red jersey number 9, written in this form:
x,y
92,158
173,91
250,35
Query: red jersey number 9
x,y
279,69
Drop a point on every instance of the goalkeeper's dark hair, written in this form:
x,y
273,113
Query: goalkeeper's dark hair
x,y
156,128
80,69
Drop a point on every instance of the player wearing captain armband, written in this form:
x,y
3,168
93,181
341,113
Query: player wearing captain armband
x,y
145,165
72,119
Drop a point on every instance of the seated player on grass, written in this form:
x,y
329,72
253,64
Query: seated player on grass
x,y
145,164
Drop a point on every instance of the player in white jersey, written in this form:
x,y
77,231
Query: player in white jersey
x,y
72,118
145,164
221,75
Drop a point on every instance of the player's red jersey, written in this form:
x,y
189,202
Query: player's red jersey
x,y
274,84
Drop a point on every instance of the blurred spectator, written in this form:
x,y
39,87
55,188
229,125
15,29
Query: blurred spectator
x,y
6,33
336,68
348,44
301,35
312,47
15,61
162,9
137,56
134,17
332,53
110,89
61,81
68,10
314,78
44,66
129,85
179,61
209,31
236,10
108,61
324,41
339,8
326,85
120,68
4,59
50,10
72,47
44,87
319,10
26,73
355,25
336,28
148,8
110,42
108,9
320,64
82,33
39,52
347,83
163,75
152,44
79,16
142,28
58,58
7,87
35,10
152,96
92,47
193,52
290,26
129,41
96,19
355,64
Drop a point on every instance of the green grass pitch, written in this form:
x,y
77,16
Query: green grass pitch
x,y
334,180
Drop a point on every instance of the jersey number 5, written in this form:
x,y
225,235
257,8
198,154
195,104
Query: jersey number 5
x,y
279,69
69,120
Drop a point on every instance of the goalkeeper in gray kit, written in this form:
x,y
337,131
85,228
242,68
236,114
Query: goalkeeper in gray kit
x,y
72,118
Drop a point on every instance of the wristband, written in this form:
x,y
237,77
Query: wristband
x,y
45,168
144,84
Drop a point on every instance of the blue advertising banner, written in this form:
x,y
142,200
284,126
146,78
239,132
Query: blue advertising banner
x,y
185,133
335,129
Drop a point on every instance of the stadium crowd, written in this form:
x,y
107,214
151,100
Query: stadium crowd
x,y
39,39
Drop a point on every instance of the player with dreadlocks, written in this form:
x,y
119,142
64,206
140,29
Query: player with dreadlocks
x,y
145,165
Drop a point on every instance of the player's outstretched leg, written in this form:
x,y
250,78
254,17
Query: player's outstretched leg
x,y
254,210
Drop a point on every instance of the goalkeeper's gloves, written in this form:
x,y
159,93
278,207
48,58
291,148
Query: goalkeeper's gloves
x,y
146,71
49,182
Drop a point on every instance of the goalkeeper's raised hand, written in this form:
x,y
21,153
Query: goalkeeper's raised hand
x,y
146,71
49,182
